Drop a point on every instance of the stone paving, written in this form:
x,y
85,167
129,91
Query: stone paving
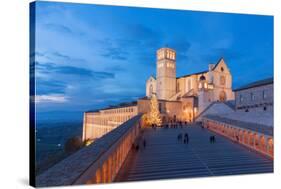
x,y
165,157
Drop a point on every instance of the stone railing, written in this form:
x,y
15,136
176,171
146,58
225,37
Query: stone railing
x,y
96,163
254,137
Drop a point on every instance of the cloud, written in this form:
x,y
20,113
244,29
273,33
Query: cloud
x,y
52,98
115,54
57,57
49,68
44,87
58,28
182,46
139,31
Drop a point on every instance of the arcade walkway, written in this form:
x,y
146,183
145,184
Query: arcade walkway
x,y
164,157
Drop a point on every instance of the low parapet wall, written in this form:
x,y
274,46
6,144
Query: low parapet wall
x,y
257,139
96,163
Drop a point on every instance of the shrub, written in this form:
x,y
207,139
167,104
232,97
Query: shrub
x,y
73,144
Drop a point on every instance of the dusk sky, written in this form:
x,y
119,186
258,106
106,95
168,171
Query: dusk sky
x,y
90,56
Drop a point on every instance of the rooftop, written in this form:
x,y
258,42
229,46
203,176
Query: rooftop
x,y
202,72
121,105
259,83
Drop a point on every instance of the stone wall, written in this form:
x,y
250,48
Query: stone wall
x,y
255,99
96,124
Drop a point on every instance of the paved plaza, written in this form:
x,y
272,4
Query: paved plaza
x,y
165,157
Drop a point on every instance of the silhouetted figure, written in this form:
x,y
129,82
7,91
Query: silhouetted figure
x,y
187,139
144,143
180,137
211,139
137,147
214,139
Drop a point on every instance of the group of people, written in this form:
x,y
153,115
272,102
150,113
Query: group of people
x,y
175,124
185,138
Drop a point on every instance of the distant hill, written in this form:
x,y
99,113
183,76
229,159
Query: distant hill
x,y
59,116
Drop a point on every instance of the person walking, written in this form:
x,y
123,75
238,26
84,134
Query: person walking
x,y
210,139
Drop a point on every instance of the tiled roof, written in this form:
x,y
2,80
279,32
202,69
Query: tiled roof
x,y
121,105
197,73
256,84
202,72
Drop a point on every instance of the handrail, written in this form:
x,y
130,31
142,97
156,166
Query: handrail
x,y
81,167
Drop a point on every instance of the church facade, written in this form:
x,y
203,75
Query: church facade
x,y
180,98
185,97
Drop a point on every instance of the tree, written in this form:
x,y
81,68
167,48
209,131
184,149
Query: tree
x,y
73,144
154,114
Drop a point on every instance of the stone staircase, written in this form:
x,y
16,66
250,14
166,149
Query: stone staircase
x,y
164,157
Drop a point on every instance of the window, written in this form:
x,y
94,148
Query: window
x,y
252,96
264,94
222,69
160,108
241,98
205,85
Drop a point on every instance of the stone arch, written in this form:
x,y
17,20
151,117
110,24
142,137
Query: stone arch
x,y
270,146
98,176
262,143
241,133
256,144
251,139
222,96
104,172
109,169
246,137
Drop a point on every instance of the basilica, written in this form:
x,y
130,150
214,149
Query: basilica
x,y
181,98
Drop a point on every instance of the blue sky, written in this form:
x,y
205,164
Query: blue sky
x,y
90,56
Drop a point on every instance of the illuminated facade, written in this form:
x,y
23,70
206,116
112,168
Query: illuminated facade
x,y
190,94
98,123
180,98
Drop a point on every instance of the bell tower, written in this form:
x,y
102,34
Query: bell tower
x,y
166,73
